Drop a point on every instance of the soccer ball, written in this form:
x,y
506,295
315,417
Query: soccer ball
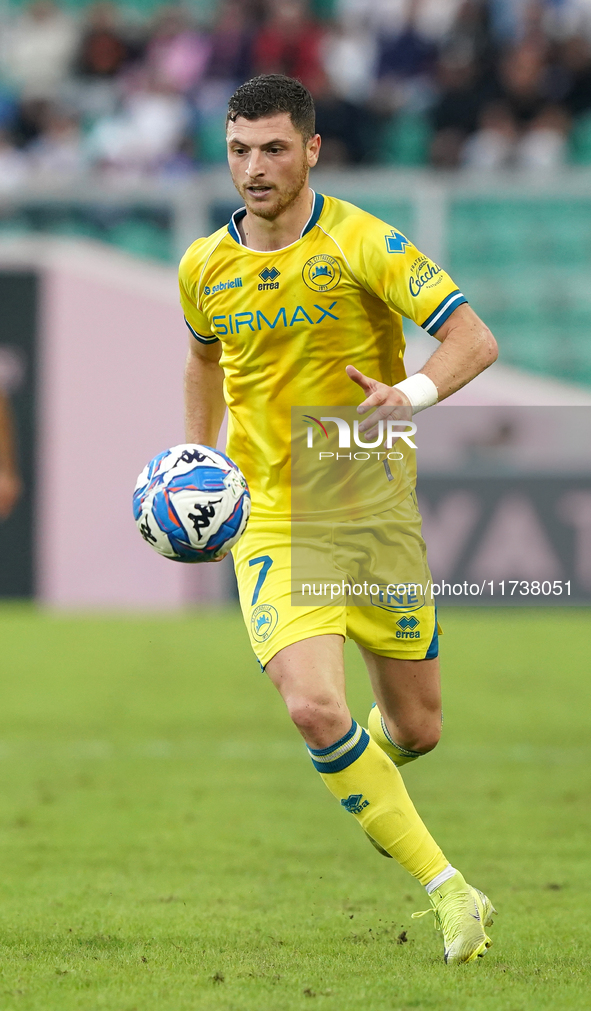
x,y
191,503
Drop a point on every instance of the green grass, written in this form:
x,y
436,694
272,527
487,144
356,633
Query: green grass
x,y
166,844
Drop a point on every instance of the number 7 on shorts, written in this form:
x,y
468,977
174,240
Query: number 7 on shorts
x,y
265,562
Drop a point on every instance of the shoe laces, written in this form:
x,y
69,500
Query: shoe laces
x,y
447,919
425,912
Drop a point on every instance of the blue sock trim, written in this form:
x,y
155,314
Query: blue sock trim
x,y
338,744
403,751
343,753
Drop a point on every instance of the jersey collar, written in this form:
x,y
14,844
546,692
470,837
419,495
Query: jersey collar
x,y
317,205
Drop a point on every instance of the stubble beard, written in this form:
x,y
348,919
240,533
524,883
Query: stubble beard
x,y
284,199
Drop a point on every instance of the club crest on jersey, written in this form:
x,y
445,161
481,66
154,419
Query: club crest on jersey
x,y
269,280
322,272
263,622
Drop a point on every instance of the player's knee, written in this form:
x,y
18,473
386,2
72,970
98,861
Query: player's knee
x,y
316,717
422,739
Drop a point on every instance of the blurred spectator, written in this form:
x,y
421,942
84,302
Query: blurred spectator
x,y
409,52
434,18
576,62
468,38
104,50
523,81
462,94
290,43
14,164
143,135
479,83
38,49
492,145
58,152
499,143
10,482
513,20
30,120
568,19
230,57
177,54
543,144
349,59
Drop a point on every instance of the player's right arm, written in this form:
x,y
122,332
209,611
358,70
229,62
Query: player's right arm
x,y
204,376
10,482
204,393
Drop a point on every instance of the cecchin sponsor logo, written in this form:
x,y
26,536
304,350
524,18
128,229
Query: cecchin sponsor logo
x,y
223,286
423,274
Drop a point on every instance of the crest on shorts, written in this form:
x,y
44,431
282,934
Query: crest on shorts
x,y
263,622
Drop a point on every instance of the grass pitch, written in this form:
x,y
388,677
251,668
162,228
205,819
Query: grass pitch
x,y
166,844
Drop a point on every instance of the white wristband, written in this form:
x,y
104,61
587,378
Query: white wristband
x,y
420,390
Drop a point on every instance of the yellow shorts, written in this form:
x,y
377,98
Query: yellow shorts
x,y
397,617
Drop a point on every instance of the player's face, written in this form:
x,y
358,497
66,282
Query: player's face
x,y
269,162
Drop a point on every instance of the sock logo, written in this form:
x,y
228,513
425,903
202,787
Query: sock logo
x,y
355,803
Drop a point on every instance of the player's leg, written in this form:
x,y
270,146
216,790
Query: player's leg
x,y
310,677
408,710
406,720
301,648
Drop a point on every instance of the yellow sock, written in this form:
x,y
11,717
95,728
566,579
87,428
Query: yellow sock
x,y
378,732
369,786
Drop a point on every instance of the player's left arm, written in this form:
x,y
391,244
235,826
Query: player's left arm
x,y
393,269
467,349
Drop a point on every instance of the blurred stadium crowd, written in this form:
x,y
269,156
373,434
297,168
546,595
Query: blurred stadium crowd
x,y
480,83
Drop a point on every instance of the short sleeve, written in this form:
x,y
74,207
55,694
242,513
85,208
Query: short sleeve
x,y
196,320
392,268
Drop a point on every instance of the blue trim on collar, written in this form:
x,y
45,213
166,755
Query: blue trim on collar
x,y
316,212
233,223
317,206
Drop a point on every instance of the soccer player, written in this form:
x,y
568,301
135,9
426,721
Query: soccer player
x,y
10,483
298,301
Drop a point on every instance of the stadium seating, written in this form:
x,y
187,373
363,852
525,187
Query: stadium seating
x,y
524,264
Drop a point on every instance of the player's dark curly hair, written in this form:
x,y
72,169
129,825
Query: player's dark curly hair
x,y
273,93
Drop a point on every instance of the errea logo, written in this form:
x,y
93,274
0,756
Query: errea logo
x,y
269,278
355,803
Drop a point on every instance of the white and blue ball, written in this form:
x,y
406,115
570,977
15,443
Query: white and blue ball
x,y
191,503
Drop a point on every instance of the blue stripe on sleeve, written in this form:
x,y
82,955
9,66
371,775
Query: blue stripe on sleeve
x,y
202,338
443,311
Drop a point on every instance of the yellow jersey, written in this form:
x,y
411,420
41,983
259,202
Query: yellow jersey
x,y
290,320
